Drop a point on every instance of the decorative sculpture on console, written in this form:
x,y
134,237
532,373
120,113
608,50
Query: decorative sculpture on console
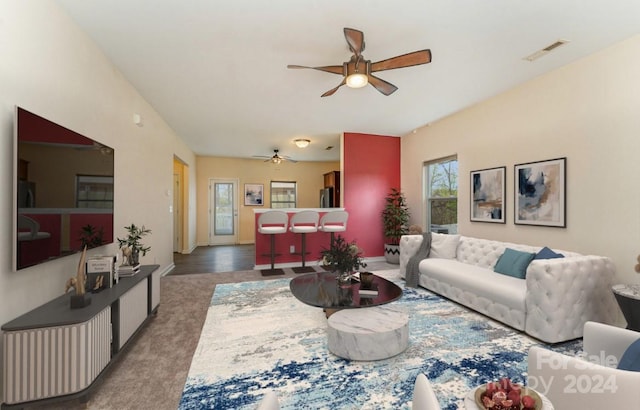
x,y
79,299
126,256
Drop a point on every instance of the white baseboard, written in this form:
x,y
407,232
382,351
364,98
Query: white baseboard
x,y
165,271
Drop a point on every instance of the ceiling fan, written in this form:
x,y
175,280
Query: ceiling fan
x,y
276,158
357,71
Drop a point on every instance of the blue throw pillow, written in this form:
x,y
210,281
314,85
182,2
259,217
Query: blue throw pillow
x,y
514,263
631,358
546,253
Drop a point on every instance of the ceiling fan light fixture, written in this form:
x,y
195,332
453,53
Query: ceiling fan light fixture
x,y
302,142
357,80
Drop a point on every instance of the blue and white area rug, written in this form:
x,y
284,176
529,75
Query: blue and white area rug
x,y
258,337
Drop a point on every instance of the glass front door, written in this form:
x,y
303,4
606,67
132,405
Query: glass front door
x,y
223,212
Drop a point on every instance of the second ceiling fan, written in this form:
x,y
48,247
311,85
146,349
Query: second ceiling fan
x,y
357,71
276,158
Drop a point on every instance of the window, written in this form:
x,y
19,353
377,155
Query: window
x,y
441,178
94,192
283,194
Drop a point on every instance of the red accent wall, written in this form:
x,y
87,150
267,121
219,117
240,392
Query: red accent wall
x,y
371,168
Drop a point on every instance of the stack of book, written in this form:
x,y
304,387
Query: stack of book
x,y
124,271
99,273
369,292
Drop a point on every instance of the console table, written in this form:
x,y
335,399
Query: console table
x,y
56,353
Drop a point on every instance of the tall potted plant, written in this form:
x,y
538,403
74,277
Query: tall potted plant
x,y
395,220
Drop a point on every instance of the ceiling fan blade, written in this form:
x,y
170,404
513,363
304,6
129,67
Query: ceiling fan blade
x,y
355,39
379,84
333,90
334,69
405,60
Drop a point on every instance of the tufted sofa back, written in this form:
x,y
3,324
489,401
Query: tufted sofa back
x,y
473,251
485,253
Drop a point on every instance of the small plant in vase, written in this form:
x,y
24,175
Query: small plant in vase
x,y
132,246
343,258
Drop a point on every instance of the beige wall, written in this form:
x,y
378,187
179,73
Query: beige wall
x,y
51,68
308,175
586,111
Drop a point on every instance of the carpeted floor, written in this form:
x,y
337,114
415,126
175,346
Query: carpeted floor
x,y
152,371
258,337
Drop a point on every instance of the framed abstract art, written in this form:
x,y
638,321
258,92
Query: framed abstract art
x,y
487,195
540,193
253,194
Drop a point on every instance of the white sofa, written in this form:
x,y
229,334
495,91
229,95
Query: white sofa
x,y
552,303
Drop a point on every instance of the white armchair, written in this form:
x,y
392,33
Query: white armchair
x,y
269,401
591,381
423,396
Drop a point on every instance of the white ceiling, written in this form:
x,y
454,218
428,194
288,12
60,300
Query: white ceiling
x,y
216,70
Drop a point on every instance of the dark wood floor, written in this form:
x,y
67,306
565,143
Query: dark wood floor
x,y
231,258
221,258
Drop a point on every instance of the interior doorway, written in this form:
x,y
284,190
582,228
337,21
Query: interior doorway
x,y
223,211
180,173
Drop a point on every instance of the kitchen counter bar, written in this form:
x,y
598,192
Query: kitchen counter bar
x,y
316,242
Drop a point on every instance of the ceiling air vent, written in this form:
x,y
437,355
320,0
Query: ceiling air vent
x,y
545,50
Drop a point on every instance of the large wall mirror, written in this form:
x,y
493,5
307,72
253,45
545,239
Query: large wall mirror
x,y
64,189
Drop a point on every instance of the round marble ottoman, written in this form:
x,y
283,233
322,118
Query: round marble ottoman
x,y
373,333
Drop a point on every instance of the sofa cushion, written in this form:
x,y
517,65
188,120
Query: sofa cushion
x,y
501,289
546,253
444,245
514,263
630,360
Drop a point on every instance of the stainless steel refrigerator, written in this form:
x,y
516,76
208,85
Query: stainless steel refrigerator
x,y
326,198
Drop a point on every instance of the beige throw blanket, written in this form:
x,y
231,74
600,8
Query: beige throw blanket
x,y
412,272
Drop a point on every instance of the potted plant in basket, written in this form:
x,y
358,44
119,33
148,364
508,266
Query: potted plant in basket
x,y
343,258
395,218
132,246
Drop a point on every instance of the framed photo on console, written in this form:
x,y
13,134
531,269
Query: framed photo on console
x,y
540,193
487,195
254,194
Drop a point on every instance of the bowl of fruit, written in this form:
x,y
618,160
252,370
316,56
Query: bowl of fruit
x,y
506,395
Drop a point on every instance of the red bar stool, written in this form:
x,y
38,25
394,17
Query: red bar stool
x,y
304,222
332,222
273,223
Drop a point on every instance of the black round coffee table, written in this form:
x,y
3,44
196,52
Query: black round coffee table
x,y
321,289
